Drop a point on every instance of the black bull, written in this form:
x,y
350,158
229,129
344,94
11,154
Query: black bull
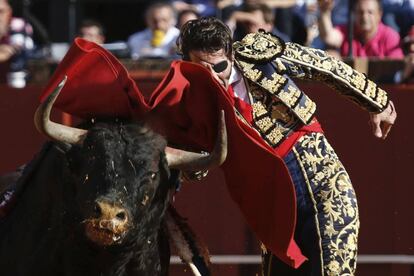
x,y
95,206
63,223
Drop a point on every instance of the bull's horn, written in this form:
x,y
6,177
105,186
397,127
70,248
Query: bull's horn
x,y
191,161
51,129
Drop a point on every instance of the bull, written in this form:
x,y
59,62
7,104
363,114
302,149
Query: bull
x,y
93,201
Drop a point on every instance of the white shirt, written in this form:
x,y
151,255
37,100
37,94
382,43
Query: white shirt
x,y
140,44
236,80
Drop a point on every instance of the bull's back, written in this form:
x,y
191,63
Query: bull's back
x,y
33,232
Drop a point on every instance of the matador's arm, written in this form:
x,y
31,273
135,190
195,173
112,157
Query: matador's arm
x,y
256,50
307,63
313,64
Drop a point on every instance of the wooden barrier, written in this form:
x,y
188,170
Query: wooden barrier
x,y
380,170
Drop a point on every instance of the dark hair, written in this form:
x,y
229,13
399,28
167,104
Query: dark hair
x,y
159,5
183,13
379,2
207,34
268,14
92,23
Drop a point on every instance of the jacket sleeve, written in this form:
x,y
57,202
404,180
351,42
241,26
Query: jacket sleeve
x,y
312,64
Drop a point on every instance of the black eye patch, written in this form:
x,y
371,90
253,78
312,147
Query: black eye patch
x,y
221,66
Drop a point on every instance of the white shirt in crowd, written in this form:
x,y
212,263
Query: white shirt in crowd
x,y
140,44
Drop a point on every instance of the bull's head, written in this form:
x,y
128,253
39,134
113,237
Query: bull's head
x,y
122,172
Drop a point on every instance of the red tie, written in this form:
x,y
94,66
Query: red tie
x,y
244,108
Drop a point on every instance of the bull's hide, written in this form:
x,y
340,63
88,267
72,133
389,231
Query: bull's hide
x,y
91,209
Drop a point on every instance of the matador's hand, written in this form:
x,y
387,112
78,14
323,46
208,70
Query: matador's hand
x,y
382,122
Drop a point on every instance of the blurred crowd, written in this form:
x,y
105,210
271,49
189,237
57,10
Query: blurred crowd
x,y
380,28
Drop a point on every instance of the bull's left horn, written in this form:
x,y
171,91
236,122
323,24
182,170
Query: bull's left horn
x,y
55,131
191,161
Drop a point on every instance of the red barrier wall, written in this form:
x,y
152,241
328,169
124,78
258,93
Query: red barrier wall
x,y
380,170
19,138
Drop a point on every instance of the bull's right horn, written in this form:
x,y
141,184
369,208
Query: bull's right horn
x,y
55,131
191,161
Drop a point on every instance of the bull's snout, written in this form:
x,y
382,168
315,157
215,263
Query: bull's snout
x,y
110,216
109,224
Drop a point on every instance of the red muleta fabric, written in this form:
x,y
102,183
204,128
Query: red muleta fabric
x,y
185,108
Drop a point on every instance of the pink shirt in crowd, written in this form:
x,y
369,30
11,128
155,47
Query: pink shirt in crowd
x,y
385,43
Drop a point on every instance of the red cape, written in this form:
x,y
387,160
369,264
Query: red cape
x,y
185,108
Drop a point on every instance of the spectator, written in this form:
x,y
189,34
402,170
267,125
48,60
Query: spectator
x,y
186,15
371,37
340,12
226,7
92,30
407,74
270,3
224,4
285,19
158,39
15,35
308,10
251,18
398,14
201,7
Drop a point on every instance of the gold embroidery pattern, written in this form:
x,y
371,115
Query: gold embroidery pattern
x,y
376,93
279,85
334,202
370,91
272,119
252,74
276,135
291,96
279,65
287,93
271,131
282,113
346,92
337,74
305,111
260,46
264,124
259,109
274,84
382,97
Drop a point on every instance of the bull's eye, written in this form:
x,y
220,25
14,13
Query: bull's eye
x,y
97,209
153,175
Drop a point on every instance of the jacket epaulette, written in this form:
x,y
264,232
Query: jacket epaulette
x,y
259,47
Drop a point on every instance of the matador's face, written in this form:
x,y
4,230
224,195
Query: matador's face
x,y
218,63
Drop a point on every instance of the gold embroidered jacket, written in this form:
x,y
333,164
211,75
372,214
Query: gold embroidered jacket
x,y
278,104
